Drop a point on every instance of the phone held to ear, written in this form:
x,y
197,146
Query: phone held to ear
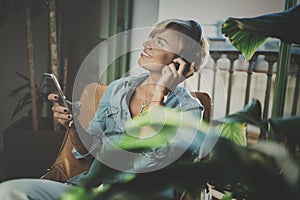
x,y
188,64
55,88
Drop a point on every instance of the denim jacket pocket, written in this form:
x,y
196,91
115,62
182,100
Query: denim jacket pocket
x,y
111,111
112,120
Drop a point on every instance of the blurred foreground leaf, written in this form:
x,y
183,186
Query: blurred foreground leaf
x,y
256,167
158,127
78,193
253,168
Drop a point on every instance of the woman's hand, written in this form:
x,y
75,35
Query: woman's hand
x,y
60,113
171,77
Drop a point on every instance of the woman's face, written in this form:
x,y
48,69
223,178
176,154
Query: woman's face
x,y
159,50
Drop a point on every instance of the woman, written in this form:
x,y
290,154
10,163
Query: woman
x,y
174,50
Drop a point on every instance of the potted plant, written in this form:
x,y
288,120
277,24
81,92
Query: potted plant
x,y
41,92
35,149
30,144
248,34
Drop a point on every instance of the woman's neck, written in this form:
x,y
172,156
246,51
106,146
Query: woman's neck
x,y
153,78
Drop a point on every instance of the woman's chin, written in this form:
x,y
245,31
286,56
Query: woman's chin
x,y
152,66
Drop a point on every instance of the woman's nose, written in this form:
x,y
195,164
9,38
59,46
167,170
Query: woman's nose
x,y
147,44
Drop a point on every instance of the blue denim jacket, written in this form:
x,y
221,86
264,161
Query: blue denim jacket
x,y
113,113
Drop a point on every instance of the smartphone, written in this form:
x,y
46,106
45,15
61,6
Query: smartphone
x,y
55,88
188,64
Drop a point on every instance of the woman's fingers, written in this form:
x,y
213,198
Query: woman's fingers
x,y
171,77
60,113
173,69
53,97
182,65
58,108
191,71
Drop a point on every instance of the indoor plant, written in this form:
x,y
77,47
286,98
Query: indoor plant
x,y
35,149
254,172
31,140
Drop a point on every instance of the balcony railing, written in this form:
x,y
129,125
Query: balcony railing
x,y
232,82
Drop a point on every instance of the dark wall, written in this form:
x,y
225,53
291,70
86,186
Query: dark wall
x,y
13,57
77,30
79,27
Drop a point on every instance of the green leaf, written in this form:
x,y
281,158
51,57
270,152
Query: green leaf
x,y
227,196
248,34
162,116
234,132
160,125
250,114
246,42
163,124
78,193
229,164
160,139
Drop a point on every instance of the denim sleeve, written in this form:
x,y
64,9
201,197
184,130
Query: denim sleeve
x,y
97,124
187,103
194,107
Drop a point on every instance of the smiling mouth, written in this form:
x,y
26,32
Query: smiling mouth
x,y
144,54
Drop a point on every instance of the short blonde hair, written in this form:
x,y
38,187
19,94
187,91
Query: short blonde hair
x,y
194,46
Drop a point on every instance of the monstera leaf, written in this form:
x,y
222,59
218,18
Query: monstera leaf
x,y
250,114
234,132
245,41
248,34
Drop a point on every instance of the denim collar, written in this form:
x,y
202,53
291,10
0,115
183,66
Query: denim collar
x,y
133,82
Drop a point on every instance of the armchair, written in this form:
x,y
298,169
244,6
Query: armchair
x,y
66,166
